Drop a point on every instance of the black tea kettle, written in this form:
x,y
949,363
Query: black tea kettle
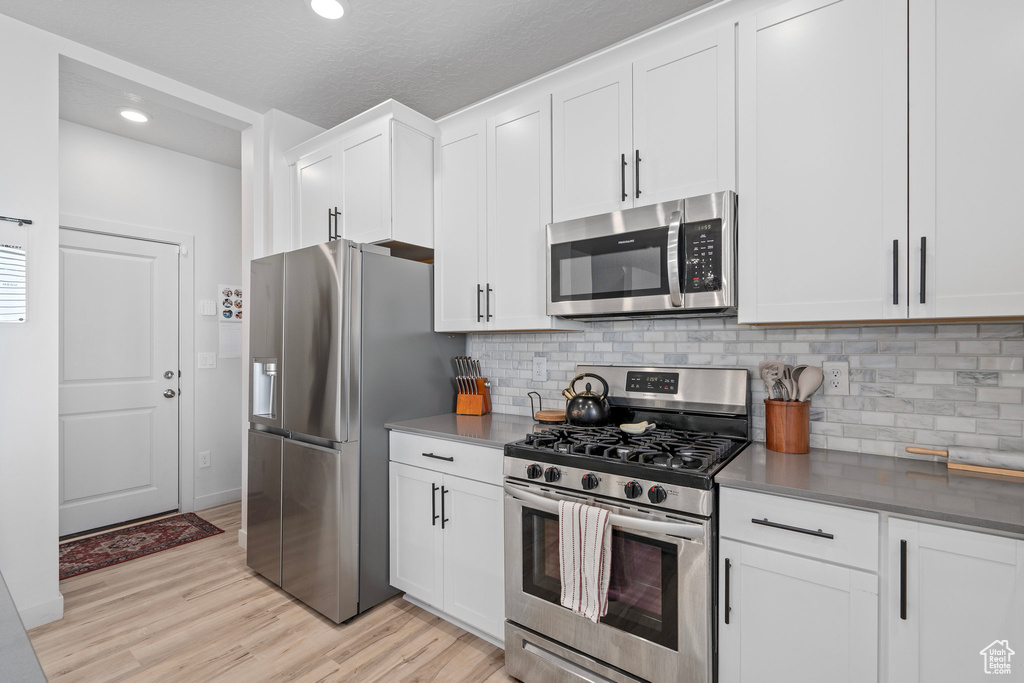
x,y
587,409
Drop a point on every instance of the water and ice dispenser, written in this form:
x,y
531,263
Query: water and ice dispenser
x,y
264,380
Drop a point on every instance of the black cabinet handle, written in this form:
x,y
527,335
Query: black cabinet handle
x,y
489,290
443,518
636,173
924,264
433,505
728,573
449,458
895,272
623,177
903,580
479,291
819,533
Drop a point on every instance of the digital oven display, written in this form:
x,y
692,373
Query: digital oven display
x,y
653,382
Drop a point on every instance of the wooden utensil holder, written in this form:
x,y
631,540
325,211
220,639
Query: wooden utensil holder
x,y
787,426
475,404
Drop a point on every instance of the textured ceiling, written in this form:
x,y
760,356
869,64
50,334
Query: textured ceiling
x,y
96,104
435,57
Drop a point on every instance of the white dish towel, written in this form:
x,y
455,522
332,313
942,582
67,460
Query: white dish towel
x,y
585,558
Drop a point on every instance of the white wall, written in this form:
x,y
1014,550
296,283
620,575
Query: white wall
x,y
28,352
112,178
29,171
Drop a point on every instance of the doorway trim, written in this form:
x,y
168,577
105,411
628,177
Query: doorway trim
x,y
186,333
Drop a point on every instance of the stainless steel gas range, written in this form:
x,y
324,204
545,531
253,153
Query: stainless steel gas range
x,y
660,489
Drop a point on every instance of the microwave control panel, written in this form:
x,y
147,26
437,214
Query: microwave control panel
x,y
702,256
653,382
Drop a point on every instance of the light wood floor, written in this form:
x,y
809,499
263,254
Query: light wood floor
x,y
197,613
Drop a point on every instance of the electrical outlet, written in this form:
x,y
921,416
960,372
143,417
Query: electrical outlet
x,y
204,458
837,378
540,369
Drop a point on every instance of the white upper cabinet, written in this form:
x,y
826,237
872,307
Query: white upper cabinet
x,y
823,161
460,238
952,594
592,154
684,119
494,198
655,130
376,170
966,140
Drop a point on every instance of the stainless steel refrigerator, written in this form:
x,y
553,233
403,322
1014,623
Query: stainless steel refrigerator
x,y
341,341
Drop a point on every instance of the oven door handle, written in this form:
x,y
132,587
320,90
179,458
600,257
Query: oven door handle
x,y
623,522
672,259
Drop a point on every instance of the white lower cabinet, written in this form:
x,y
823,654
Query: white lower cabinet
x,y
447,540
955,605
789,619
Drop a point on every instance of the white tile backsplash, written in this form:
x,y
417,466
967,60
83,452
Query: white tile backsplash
x,y
925,385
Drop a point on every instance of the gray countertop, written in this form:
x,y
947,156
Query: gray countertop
x,y
494,429
903,486
18,660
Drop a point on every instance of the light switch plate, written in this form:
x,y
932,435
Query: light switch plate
x,y
207,307
207,360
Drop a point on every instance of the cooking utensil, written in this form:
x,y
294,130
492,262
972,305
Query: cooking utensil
x,y
787,381
810,379
588,409
981,460
770,371
797,371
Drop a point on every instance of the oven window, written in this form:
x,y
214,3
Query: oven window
x,y
613,267
642,590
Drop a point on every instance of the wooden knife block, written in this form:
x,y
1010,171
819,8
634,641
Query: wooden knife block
x,y
475,404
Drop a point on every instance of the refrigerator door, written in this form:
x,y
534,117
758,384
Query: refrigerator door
x,y
320,526
316,310
266,302
263,543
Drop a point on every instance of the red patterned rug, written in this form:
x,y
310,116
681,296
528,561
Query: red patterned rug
x,y
96,552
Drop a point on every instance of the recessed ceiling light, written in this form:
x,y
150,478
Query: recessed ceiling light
x,y
329,9
134,115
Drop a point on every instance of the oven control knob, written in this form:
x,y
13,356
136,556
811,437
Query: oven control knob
x,y
551,474
533,471
633,490
657,495
590,482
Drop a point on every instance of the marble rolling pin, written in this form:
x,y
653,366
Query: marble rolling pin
x,y
984,460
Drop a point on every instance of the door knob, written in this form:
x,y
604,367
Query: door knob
x,y
169,393
169,374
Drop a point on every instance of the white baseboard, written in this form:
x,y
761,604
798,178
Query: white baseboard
x,y
461,624
242,539
43,613
220,498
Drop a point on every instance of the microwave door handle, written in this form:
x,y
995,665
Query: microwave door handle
x,y
672,257
619,521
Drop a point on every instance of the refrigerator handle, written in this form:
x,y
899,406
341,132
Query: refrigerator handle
x,y
352,336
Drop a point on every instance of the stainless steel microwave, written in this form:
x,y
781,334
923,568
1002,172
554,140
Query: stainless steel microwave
x,y
675,258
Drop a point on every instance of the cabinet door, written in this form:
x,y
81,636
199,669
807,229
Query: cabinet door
x,y
966,138
314,184
474,554
460,236
592,146
685,128
823,162
963,592
364,165
518,211
793,619
416,546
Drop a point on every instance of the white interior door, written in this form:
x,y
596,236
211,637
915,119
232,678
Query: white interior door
x,y
118,410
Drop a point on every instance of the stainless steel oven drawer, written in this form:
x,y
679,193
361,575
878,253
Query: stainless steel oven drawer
x,y
530,657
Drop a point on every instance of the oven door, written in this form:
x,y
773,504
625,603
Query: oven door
x,y
658,625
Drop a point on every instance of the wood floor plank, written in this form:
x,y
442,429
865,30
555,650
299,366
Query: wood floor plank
x,y
197,613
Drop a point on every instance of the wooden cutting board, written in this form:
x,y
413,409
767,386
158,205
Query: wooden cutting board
x,y
550,416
